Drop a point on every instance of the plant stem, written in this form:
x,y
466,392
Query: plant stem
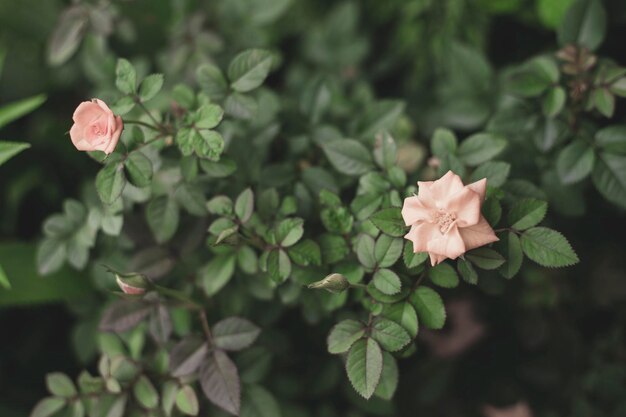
x,y
144,124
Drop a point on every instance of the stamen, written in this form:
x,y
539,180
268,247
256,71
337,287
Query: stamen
x,y
444,220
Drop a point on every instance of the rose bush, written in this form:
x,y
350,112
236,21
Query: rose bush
x,y
279,223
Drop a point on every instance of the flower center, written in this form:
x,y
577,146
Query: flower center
x,y
444,220
96,130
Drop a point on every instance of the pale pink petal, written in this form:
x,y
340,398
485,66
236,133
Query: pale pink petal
x,y
420,234
478,235
102,105
465,204
445,187
86,112
76,134
479,187
450,245
115,136
436,259
424,194
414,210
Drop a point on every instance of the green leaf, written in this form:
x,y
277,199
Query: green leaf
x,y
527,213
387,250
412,259
150,86
208,144
387,281
139,169
548,247
584,24
534,77
289,231
241,106
15,110
249,69
125,76
496,173
48,406
386,152
9,149
60,385
4,280
604,101
364,249
485,258
244,205
334,248
220,382
364,366
67,35
429,307
388,379
208,116
609,177
443,275
211,80
187,401
220,205
390,221
220,169
612,139
467,271
305,253
145,393
110,182
443,143
162,215
51,255
234,333
278,265
343,335
404,314
247,260
554,101
575,162
217,273
480,148
511,247
390,335
379,117
259,402
348,157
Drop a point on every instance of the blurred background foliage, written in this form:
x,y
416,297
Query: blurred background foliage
x,y
556,339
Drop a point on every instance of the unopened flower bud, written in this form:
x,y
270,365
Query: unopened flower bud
x,y
334,283
132,284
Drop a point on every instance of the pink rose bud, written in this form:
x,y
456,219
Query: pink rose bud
x,y
95,127
132,284
445,218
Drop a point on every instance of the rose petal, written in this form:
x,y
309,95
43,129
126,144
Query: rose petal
x,y
420,234
86,112
477,235
450,245
466,205
115,137
444,188
414,210
479,187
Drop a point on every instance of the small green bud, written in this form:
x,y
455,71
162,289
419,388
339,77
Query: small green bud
x,y
133,283
334,283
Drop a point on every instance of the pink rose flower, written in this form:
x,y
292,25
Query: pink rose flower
x,y
95,127
521,409
445,218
